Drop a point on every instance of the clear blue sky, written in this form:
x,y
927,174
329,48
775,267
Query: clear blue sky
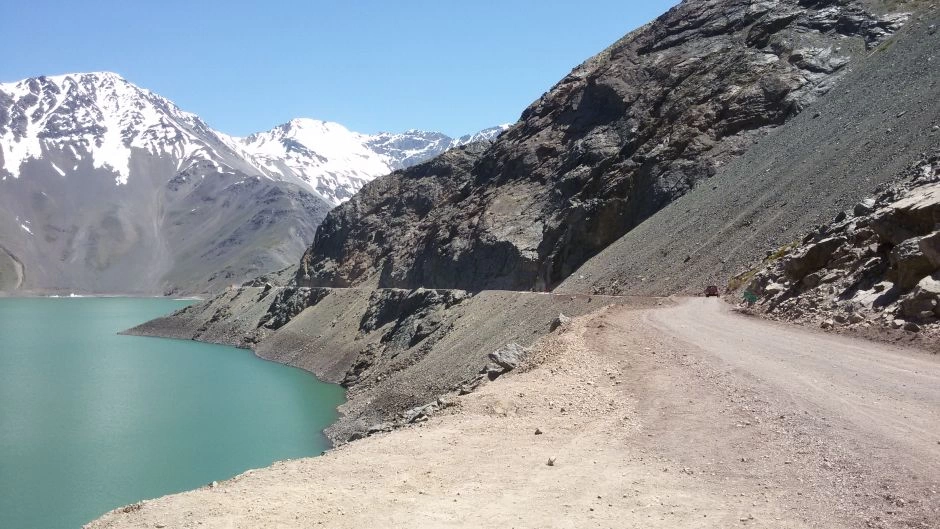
x,y
371,65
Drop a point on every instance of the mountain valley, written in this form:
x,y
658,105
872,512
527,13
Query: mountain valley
x,y
108,188
517,316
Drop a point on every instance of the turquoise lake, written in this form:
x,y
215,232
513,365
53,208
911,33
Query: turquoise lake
x,y
90,420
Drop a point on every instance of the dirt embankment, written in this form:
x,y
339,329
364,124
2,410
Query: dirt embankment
x,y
642,428
394,350
11,271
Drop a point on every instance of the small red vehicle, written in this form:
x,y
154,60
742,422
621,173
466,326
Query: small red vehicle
x,y
711,290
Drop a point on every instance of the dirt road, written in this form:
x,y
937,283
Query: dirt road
x,y
884,394
685,416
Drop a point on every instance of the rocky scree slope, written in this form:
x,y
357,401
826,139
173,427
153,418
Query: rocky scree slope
x,y
619,138
876,266
108,187
882,117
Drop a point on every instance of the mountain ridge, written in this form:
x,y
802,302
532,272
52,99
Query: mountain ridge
x,y
110,115
107,187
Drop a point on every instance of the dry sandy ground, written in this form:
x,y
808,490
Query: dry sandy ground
x,y
687,416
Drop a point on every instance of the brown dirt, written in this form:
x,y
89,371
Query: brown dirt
x,y
687,416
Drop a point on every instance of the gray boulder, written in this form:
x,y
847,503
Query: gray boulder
x,y
930,246
916,214
909,263
864,207
811,259
509,356
924,298
559,321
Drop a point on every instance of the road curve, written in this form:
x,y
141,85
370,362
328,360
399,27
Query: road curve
x,y
884,394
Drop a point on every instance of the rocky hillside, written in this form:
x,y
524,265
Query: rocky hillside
x,y
622,136
881,118
877,265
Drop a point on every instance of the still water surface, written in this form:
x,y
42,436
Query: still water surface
x,y
90,420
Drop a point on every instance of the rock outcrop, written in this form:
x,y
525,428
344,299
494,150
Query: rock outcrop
x,y
876,266
623,135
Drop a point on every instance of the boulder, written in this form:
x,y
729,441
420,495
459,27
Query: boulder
x,y
509,356
560,320
812,280
909,263
916,214
864,207
812,258
930,246
924,297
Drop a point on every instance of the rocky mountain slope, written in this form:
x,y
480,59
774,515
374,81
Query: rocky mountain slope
x,y
107,187
621,137
880,119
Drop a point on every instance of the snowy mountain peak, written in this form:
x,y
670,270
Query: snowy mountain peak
x,y
97,117
100,121
325,156
336,162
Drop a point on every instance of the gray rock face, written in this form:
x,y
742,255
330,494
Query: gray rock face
x,y
623,135
870,127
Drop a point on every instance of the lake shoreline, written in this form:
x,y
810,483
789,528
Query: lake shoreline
x,y
141,418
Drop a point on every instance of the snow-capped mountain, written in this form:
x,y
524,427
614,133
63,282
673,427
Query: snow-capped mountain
x,y
103,117
99,118
336,162
109,187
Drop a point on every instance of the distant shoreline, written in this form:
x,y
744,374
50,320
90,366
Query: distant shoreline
x,y
73,295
